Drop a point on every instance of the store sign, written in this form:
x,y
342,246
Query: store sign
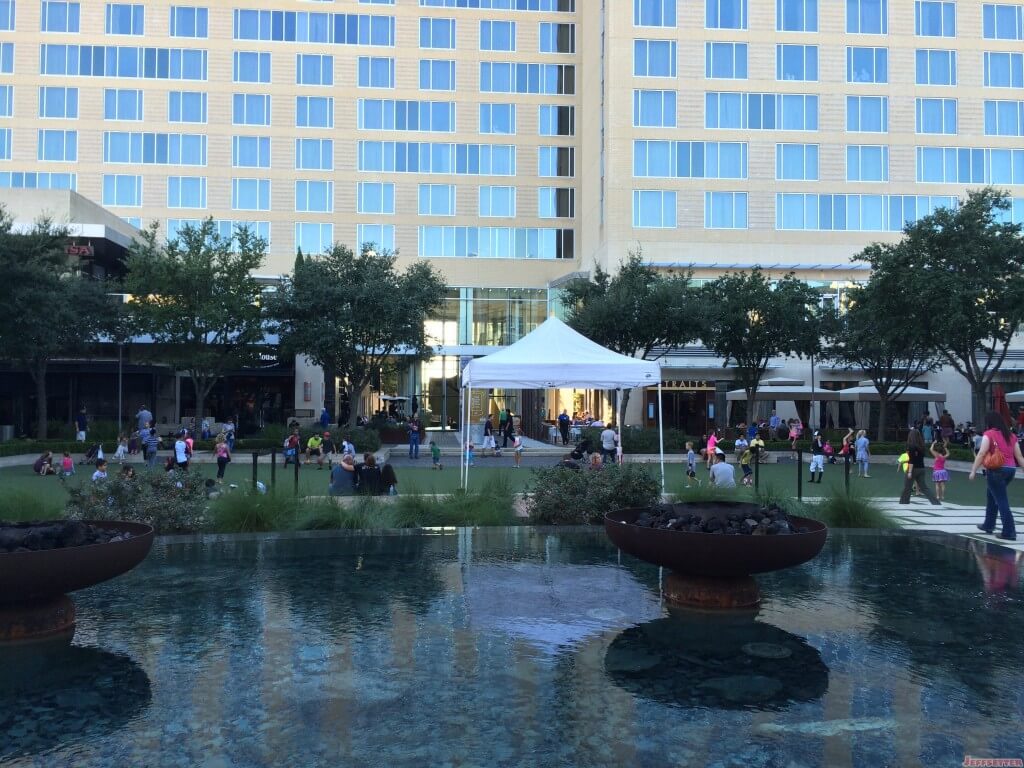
x,y
688,384
81,250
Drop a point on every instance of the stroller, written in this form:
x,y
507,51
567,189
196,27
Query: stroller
x,y
93,454
582,449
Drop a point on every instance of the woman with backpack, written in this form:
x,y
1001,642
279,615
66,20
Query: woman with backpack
x,y
1000,454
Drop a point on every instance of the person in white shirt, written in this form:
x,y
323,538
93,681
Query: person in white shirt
x,y
101,471
181,451
608,440
723,474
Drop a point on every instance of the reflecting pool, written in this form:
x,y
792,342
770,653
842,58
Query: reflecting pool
x,y
523,647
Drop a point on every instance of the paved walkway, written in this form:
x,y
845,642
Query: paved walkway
x,y
920,515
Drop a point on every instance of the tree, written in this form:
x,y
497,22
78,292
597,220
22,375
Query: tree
x,y
965,266
638,312
351,312
51,309
871,336
748,321
197,297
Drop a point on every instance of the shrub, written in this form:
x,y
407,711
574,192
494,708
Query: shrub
x,y
573,497
237,511
172,502
842,510
492,505
17,506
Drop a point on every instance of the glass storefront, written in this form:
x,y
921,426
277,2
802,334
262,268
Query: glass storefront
x,y
489,317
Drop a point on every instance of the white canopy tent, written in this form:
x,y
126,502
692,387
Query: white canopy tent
x,y
554,356
1015,397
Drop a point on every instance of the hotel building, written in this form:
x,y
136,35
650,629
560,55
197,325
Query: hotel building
x,y
519,143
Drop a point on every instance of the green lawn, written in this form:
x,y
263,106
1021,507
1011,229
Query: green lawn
x,y
885,482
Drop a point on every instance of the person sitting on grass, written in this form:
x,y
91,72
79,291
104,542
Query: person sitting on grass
x,y
101,471
368,476
722,473
67,465
127,472
327,450
313,449
44,464
343,476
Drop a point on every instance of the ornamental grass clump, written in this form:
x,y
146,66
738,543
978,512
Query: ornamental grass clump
x,y
842,510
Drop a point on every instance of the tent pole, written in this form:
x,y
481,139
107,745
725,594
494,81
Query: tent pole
x,y
618,423
463,464
661,439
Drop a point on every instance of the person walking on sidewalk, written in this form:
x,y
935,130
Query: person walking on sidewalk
x,y
1000,454
915,470
563,426
414,437
862,446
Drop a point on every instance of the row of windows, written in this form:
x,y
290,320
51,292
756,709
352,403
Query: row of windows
x,y
854,213
37,180
312,27
962,165
122,61
496,242
689,159
761,111
406,115
546,6
932,18
120,19
507,77
656,209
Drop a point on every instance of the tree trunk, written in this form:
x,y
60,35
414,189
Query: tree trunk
x,y
621,415
883,408
980,403
202,387
38,372
353,403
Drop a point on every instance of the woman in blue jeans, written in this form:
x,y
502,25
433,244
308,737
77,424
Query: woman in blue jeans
x,y
998,436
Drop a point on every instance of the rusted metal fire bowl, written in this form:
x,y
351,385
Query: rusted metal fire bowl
x,y
712,554
34,585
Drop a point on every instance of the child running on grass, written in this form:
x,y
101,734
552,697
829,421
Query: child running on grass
x,y
435,456
748,473
691,465
940,475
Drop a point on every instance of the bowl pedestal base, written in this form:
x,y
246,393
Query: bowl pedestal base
x,y
712,593
37,620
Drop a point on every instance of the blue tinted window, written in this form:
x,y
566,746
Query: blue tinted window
x,y
867,17
188,21
437,75
314,112
122,190
725,210
376,72
251,67
654,58
935,116
250,151
933,18
869,114
497,35
936,67
250,194
725,60
436,200
557,37
498,118
437,33
57,146
314,69
250,109
867,65
497,201
122,104
654,109
1004,70
186,191
796,162
55,101
796,15
725,14
57,16
867,163
654,13
796,62
654,209
1003,22
186,107
125,19
314,196
1004,118
314,154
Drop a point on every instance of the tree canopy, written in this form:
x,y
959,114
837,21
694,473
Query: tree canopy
x,y
749,319
964,269
350,312
638,311
197,296
873,334
51,309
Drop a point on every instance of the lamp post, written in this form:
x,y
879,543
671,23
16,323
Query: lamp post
x,y
120,388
